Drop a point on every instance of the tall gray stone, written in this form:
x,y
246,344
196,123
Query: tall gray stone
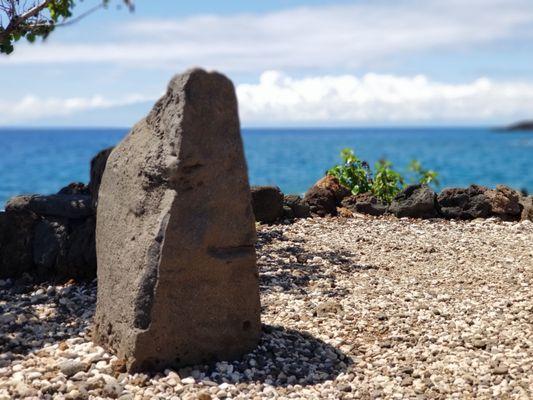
x,y
177,278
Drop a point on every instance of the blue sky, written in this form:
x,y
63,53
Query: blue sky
x,y
294,63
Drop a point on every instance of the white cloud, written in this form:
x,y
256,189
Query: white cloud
x,y
32,107
312,38
278,99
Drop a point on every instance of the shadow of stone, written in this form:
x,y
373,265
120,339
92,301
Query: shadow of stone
x,y
24,325
283,357
293,277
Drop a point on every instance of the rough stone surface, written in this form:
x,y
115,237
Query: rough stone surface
x,y
504,202
16,242
71,206
72,367
177,278
50,240
325,195
365,203
288,214
267,203
79,258
332,184
469,203
64,249
415,201
321,202
297,206
98,164
46,247
527,208
75,188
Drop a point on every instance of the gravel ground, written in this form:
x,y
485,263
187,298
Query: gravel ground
x,y
352,308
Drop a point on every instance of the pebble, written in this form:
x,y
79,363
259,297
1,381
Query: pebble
x,y
72,367
112,390
501,370
352,308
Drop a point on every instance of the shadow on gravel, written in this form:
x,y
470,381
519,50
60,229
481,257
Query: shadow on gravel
x,y
294,276
24,328
283,357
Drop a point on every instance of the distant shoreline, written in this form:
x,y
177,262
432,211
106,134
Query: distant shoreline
x,y
523,126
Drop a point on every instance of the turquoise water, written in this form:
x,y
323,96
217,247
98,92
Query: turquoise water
x,y
44,160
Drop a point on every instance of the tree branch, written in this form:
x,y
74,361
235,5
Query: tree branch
x,y
81,16
17,20
35,22
32,12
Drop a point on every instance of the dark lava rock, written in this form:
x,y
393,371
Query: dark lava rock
x,y
65,248
49,241
297,206
415,201
321,202
267,203
460,203
325,195
481,202
78,260
70,206
75,188
98,164
365,203
48,237
288,214
16,242
504,203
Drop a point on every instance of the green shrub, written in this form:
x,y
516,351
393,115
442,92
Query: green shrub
x,y
387,182
353,173
384,182
426,176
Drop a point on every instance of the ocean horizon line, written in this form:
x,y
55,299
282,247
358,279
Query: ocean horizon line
x,y
266,128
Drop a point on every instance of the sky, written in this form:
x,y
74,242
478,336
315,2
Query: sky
x,y
293,63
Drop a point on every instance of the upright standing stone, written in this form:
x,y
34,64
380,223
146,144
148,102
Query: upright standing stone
x,y
177,278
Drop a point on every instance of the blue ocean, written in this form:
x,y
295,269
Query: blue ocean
x,y
44,160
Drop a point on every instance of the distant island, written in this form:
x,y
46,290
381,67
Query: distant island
x,y
519,126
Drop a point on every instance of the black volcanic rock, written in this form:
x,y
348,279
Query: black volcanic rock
x,y
72,206
297,206
461,203
267,203
16,241
415,201
365,203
